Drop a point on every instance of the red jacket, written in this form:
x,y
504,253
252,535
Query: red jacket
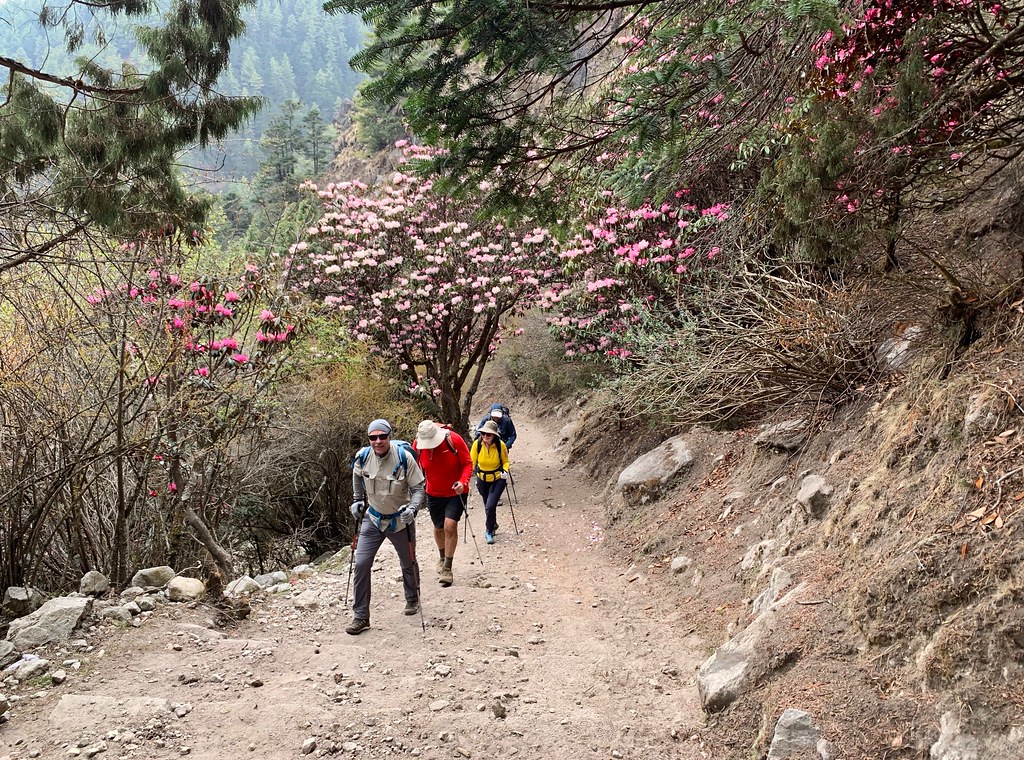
x,y
442,466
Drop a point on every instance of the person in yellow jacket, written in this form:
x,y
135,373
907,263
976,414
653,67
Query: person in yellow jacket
x,y
490,465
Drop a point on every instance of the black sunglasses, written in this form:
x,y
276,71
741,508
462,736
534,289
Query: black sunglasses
x,y
381,437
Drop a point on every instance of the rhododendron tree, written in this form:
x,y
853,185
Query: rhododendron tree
x,y
197,357
907,106
627,274
420,278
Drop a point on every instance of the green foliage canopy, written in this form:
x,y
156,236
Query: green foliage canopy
x,y
97,148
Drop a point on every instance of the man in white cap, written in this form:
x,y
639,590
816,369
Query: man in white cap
x,y
506,429
447,469
387,484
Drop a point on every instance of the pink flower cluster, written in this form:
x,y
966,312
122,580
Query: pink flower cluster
x,y
418,276
626,269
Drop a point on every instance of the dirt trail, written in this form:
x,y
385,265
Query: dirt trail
x,y
549,648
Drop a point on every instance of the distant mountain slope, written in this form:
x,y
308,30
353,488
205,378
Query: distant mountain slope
x,y
291,49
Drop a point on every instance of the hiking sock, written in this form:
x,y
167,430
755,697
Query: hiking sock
x,y
441,552
448,563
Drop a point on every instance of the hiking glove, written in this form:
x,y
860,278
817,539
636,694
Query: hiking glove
x,y
407,516
357,509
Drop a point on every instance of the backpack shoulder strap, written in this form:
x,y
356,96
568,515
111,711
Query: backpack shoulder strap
x,y
361,456
451,446
403,458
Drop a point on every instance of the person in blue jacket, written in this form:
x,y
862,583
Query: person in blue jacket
x,y
506,429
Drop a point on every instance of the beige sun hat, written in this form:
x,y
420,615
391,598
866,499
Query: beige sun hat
x,y
490,427
428,435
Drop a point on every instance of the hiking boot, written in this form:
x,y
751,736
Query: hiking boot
x,y
488,537
440,565
412,607
445,576
357,626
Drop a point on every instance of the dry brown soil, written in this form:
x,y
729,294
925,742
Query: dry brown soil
x,y
545,647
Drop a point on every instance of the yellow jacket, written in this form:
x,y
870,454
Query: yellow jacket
x,y
489,462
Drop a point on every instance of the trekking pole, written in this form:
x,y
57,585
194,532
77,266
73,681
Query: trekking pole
x,y
416,570
352,553
511,485
465,506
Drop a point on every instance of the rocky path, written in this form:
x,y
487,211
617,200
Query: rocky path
x,y
547,648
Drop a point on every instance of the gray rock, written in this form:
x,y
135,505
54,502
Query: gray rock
x,y
184,589
146,602
279,588
93,583
649,473
780,581
787,436
307,600
116,613
896,353
270,579
814,495
20,601
54,621
30,667
132,592
8,653
795,736
954,744
741,661
982,416
827,750
680,564
308,746
243,586
4,704
153,577
303,570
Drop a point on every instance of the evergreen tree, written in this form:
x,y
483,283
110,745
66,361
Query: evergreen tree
x,y
316,139
98,147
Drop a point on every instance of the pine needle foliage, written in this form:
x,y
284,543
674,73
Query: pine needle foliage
x,y
99,148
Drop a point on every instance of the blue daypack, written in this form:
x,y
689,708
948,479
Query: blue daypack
x,y
405,450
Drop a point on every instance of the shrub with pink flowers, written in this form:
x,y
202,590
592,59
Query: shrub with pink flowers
x,y
200,356
423,280
625,274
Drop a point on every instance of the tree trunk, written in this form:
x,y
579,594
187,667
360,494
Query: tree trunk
x,y
220,555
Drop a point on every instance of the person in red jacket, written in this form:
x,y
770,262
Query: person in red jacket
x,y
446,464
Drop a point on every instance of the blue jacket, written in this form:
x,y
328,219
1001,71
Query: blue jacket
x,y
506,428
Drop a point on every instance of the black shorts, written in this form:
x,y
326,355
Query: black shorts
x,y
442,507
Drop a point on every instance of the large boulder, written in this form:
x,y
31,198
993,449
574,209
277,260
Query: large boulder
x,y
243,586
652,471
796,736
93,583
153,577
54,621
8,653
20,600
183,589
745,659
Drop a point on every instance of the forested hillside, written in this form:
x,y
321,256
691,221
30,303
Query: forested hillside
x,y
290,50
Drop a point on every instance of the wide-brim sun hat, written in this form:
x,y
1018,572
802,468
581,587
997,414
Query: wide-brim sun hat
x,y
489,427
428,435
